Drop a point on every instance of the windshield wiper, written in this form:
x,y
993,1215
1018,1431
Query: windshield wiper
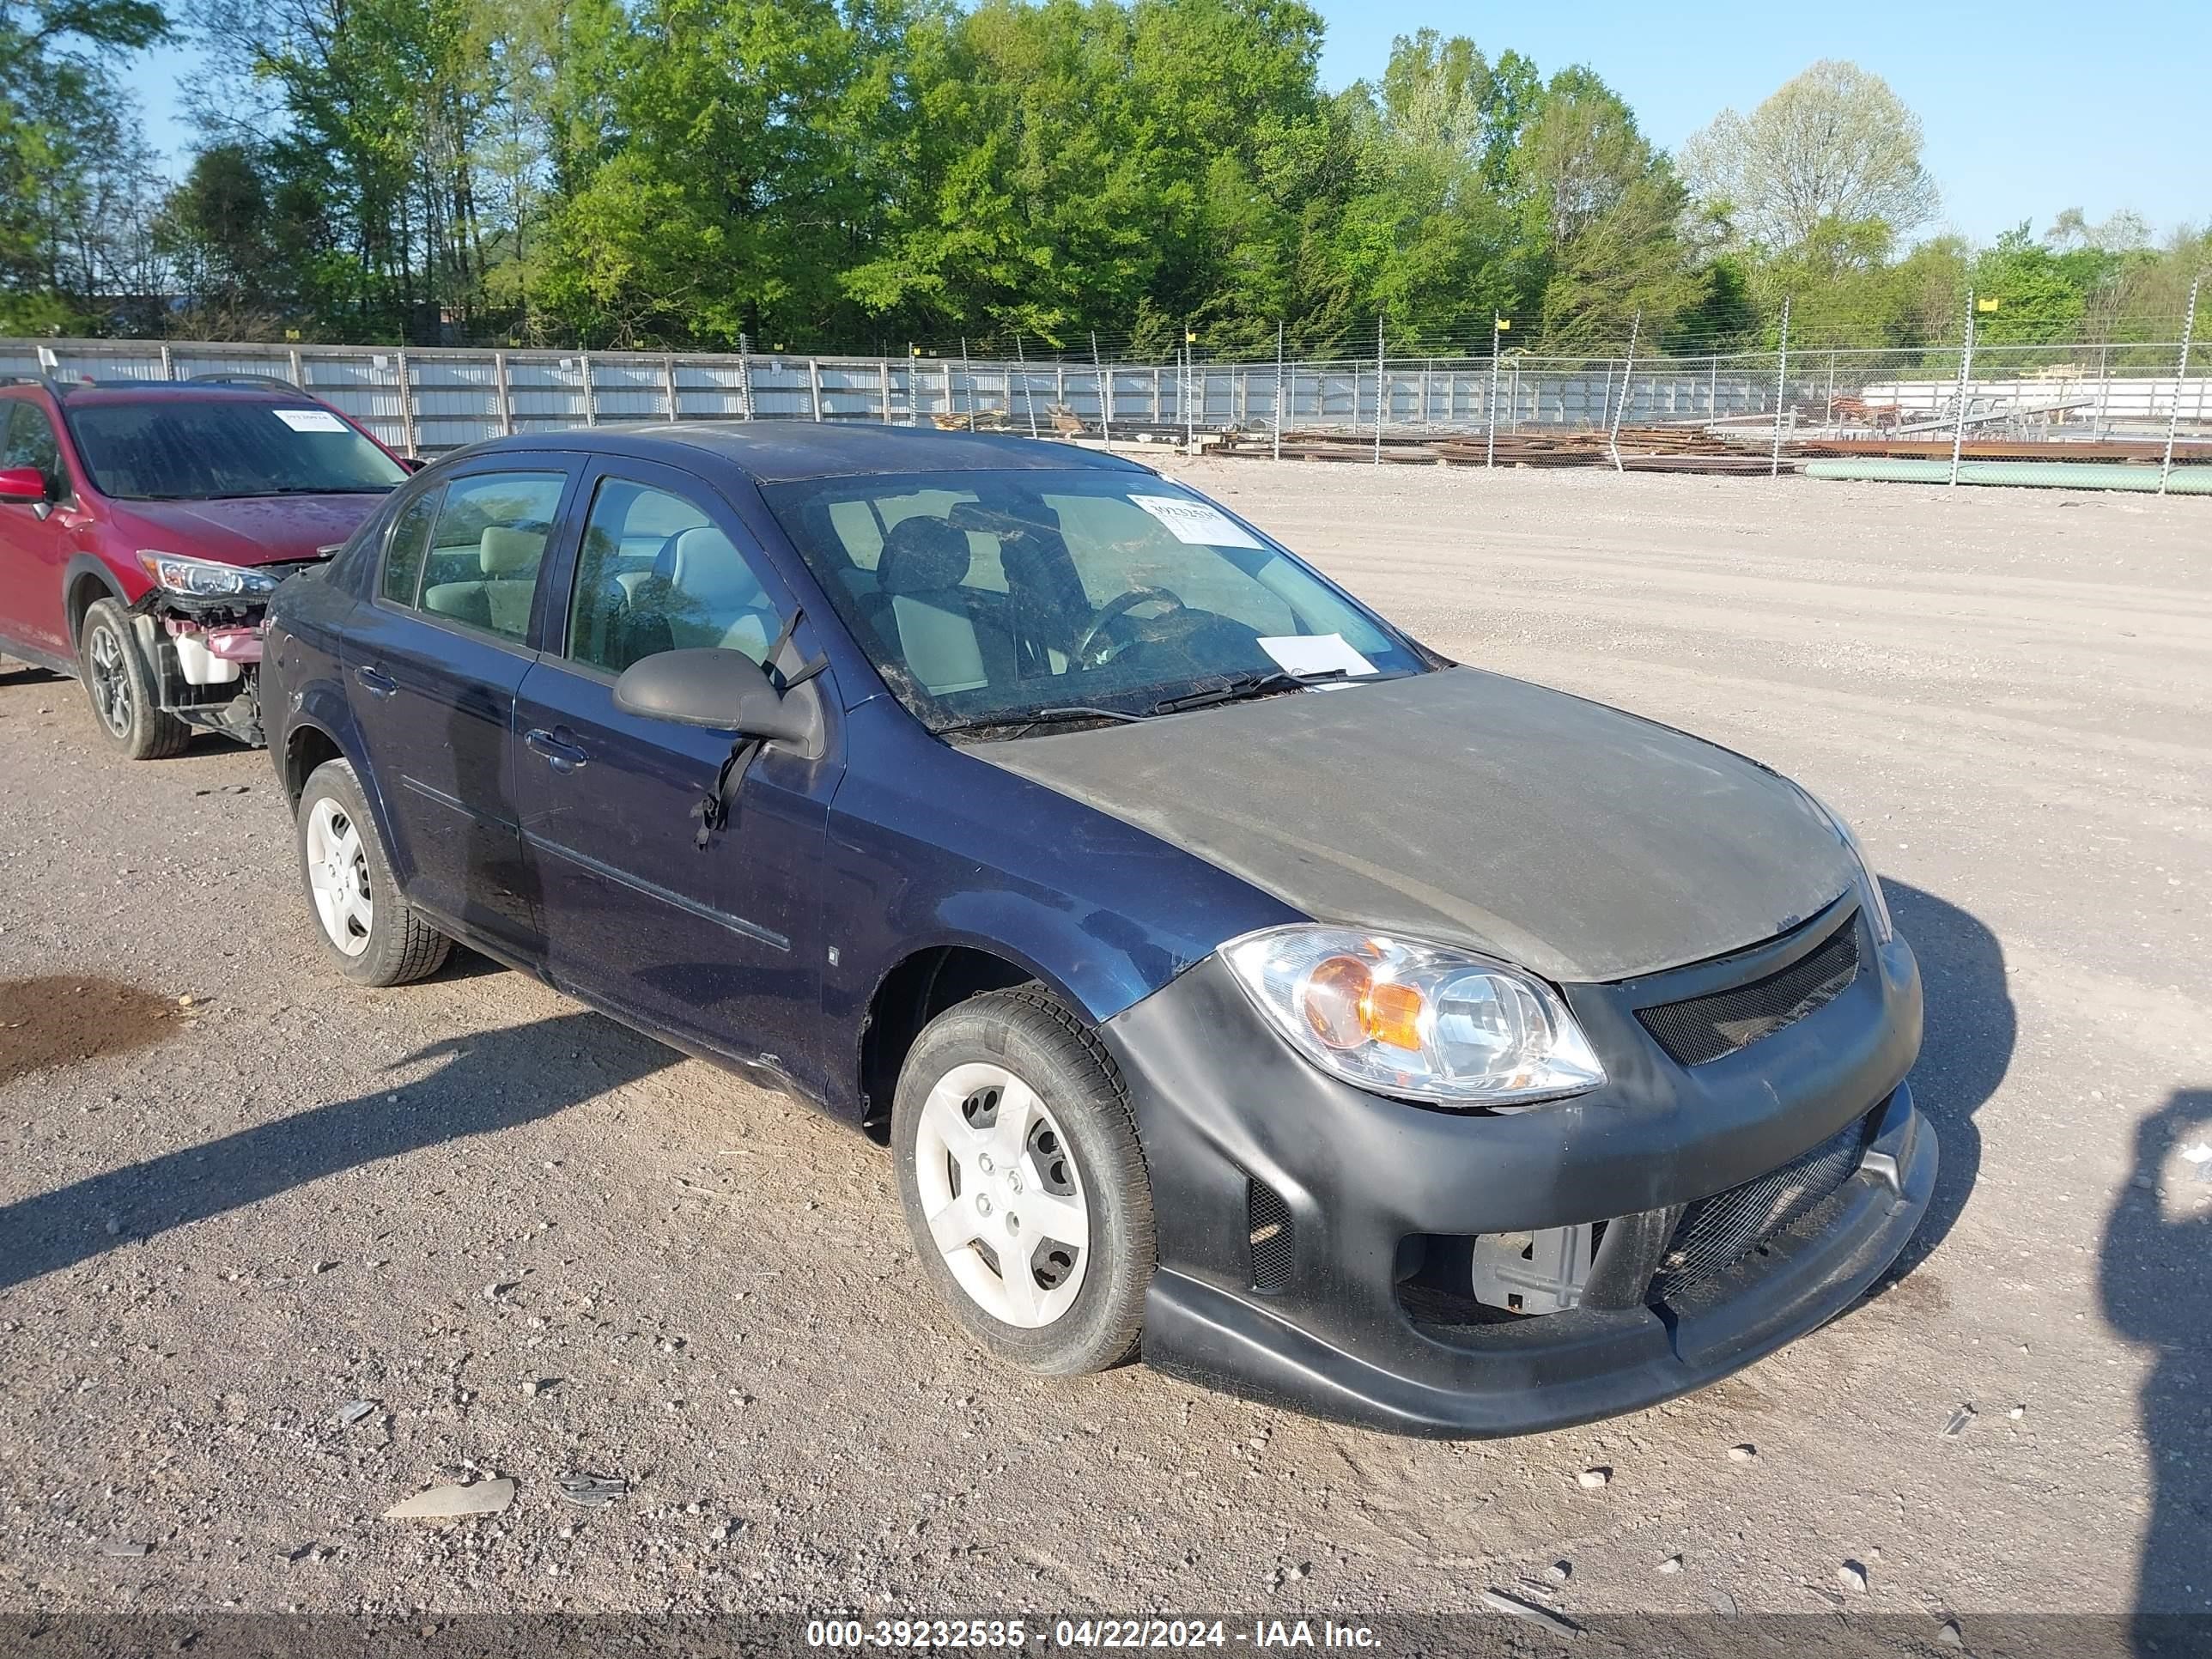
x,y
1226,688
1018,724
289,490
1234,688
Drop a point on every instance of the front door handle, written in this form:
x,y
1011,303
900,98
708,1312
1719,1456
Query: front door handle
x,y
561,756
380,684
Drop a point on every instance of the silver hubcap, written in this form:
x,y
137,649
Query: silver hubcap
x,y
1000,1192
111,681
338,875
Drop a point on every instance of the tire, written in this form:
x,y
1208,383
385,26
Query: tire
x,y
374,936
126,701
1074,1152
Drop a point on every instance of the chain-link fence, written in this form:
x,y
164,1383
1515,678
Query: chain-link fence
x,y
1852,411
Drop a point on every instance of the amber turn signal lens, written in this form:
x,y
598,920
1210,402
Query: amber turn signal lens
x,y
1392,1016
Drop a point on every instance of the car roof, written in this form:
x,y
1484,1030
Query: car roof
x,y
788,450
83,393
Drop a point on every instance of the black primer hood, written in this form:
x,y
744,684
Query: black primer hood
x,y
1584,843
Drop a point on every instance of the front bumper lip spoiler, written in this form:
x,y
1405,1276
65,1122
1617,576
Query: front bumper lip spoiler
x,y
1572,1367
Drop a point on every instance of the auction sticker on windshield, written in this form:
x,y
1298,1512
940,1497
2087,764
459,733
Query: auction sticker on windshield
x,y
1199,523
309,420
1316,653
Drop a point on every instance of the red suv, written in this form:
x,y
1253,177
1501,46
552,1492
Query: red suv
x,y
143,525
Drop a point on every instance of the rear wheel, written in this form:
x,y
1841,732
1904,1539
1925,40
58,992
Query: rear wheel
x,y
374,935
1024,1182
125,699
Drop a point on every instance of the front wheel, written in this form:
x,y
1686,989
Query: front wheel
x,y
1024,1182
375,936
125,698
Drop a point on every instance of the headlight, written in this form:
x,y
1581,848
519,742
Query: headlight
x,y
1423,1021
204,578
1877,906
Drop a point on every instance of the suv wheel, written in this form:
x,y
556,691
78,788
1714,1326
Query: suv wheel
x,y
376,937
1024,1182
125,700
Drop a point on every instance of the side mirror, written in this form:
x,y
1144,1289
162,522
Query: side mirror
x,y
22,486
412,463
721,690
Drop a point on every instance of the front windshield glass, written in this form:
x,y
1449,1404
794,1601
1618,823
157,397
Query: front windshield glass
x,y
202,449
987,598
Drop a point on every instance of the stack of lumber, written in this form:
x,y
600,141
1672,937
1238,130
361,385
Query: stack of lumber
x,y
1643,449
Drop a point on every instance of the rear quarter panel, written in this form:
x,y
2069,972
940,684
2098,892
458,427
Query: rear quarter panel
x,y
303,679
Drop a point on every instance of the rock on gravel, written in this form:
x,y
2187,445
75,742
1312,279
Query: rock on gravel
x,y
454,1502
1529,1611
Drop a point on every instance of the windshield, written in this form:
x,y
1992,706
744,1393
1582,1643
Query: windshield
x,y
199,450
989,597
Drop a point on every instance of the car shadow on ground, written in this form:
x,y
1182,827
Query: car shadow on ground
x,y
489,1081
2155,1283
1966,1050
462,963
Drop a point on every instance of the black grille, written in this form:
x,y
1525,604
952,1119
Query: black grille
x,y
1710,1027
1716,1232
1273,1243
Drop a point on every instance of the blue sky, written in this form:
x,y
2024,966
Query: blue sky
x,y
2030,106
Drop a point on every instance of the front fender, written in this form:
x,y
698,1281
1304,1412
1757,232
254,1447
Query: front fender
x,y
89,569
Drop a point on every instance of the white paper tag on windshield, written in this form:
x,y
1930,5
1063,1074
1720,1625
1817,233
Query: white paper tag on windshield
x,y
309,420
1316,653
1199,523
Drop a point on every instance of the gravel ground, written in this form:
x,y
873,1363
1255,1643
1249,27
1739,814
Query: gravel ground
x,y
236,1194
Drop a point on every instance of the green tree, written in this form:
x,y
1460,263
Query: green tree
x,y
75,174
1601,212
2039,299
740,168
1834,145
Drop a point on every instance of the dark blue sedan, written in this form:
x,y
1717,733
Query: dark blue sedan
x,y
1232,977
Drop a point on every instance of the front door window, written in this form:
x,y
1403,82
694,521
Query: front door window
x,y
656,575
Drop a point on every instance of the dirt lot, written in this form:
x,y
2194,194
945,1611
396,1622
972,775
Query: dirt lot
x,y
235,1195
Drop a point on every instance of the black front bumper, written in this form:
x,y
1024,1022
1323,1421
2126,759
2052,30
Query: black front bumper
x,y
1289,1206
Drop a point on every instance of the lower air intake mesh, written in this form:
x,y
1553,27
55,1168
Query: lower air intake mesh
x,y
1272,1243
1716,1232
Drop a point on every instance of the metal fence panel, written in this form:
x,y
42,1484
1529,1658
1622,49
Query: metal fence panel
x,y
429,401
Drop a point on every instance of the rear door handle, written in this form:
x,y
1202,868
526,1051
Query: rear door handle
x,y
561,756
380,684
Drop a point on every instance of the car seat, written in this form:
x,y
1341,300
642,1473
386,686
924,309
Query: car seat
x,y
701,593
508,557
948,635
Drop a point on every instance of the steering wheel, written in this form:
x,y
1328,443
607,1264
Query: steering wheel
x,y
1116,608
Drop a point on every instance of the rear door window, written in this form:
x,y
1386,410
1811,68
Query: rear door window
x,y
486,543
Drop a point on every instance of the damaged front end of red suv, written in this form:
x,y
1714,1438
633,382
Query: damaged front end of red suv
x,y
200,628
